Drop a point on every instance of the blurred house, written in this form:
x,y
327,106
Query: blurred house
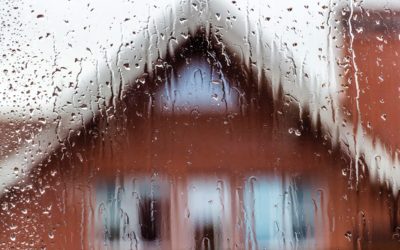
x,y
198,157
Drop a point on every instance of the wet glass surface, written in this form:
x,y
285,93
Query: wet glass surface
x,y
200,132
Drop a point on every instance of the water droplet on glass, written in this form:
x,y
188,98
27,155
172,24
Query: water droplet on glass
x,y
348,235
127,66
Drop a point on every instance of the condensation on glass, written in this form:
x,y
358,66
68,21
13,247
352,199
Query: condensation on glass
x,y
199,124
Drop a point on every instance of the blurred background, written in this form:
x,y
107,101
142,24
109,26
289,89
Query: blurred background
x,y
200,154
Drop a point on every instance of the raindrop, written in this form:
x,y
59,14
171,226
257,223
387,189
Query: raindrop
x,y
51,235
127,66
182,20
294,131
217,81
79,155
195,113
348,235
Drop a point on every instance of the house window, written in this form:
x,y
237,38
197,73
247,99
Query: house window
x,y
279,212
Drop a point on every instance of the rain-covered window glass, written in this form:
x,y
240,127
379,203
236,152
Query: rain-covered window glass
x,y
279,210
199,124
